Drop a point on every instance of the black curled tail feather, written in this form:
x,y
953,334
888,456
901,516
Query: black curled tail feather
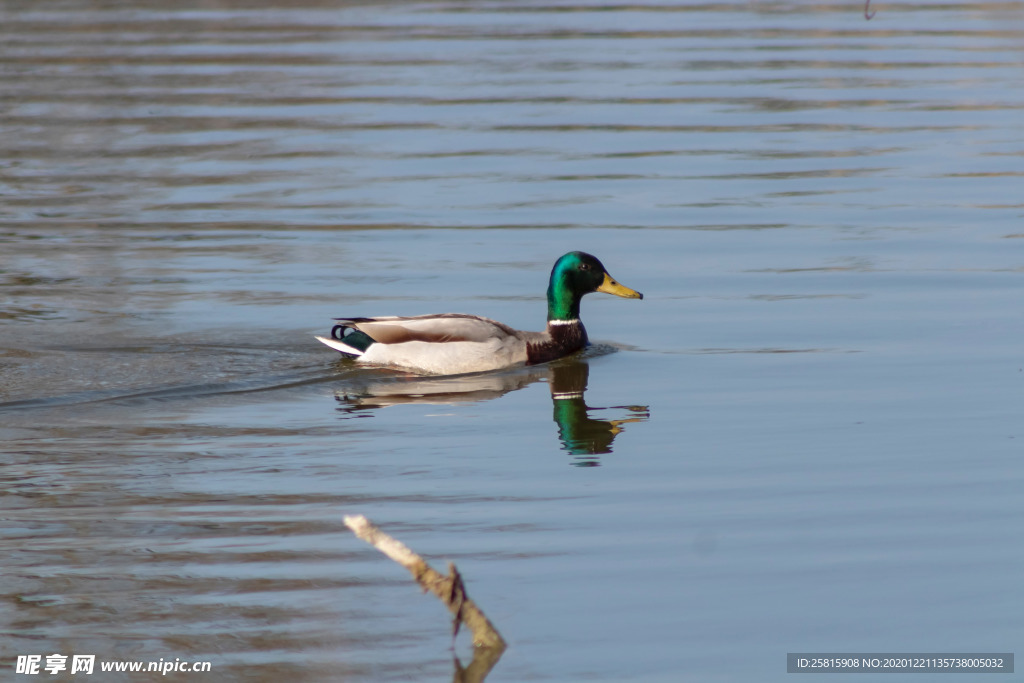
x,y
346,332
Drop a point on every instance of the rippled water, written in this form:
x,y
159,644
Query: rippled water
x,y
803,439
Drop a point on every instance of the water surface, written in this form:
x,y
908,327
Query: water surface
x,y
805,438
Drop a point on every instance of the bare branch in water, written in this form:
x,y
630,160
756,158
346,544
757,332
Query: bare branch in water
x,y
449,589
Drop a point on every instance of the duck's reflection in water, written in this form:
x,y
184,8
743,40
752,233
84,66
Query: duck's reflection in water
x,y
580,434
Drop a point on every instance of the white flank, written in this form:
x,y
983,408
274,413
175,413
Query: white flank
x,y
449,358
340,346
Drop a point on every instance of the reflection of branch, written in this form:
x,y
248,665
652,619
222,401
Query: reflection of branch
x,y
448,589
867,13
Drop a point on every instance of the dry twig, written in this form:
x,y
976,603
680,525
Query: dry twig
x,y
449,589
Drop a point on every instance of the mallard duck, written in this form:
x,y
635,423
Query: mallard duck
x,y
455,343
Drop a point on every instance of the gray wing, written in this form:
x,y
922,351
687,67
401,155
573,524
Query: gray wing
x,y
447,327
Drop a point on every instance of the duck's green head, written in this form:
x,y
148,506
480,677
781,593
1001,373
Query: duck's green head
x,y
574,275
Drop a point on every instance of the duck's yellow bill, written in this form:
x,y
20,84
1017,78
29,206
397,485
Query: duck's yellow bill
x,y
610,286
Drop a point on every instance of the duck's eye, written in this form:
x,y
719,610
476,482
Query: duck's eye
x,y
584,266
